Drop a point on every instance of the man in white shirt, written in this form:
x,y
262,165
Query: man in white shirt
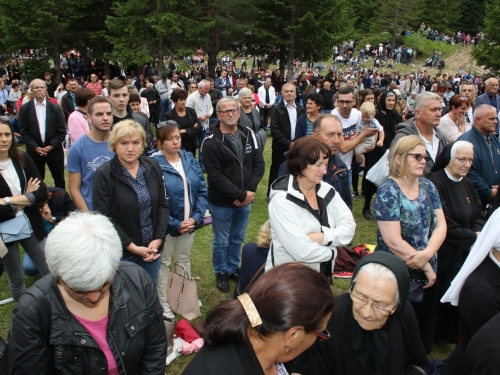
x,y
349,117
201,102
267,97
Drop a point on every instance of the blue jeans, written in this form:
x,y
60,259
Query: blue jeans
x,y
164,107
201,137
349,177
29,268
229,225
151,267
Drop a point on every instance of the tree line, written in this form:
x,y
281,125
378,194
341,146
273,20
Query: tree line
x,y
137,32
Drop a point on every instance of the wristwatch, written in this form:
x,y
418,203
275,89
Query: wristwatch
x,y
7,200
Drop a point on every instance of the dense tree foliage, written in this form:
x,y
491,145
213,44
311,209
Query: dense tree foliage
x,y
488,51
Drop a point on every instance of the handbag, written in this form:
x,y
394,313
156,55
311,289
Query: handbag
x,y
417,277
182,293
380,170
16,229
417,282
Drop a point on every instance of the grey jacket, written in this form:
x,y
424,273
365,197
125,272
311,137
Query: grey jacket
x,y
409,128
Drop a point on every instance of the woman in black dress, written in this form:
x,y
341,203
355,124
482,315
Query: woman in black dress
x,y
187,119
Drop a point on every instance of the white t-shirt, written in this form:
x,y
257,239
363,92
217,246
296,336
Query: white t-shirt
x,y
349,130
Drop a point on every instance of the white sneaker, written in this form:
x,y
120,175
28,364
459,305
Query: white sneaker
x,y
167,311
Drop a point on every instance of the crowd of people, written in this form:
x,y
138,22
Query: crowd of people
x,y
152,155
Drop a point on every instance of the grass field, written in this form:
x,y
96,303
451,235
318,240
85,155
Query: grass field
x,y
201,259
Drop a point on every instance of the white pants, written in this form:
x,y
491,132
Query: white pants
x,y
180,248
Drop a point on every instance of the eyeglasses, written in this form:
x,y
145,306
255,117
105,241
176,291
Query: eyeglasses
x,y
233,111
465,160
38,87
322,336
194,87
419,157
342,102
377,307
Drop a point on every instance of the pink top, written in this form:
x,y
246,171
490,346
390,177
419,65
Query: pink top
x,y
77,125
96,88
98,329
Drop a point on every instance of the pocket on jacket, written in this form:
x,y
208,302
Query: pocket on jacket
x,y
68,360
135,328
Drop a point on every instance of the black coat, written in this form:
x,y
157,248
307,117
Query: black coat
x,y
55,131
228,359
45,338
335,356
281,129
41,195
479,299
113,197
67,105
483,354
228,179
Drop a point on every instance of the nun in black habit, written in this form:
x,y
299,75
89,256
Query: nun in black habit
x,y
464,220
394,348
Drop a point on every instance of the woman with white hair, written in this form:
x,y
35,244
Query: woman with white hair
x,y
93,314
464,221
250,117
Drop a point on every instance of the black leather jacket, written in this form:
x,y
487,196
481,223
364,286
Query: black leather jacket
x,y
45,338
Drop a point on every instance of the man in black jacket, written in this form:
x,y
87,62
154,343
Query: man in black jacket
x,y
68,102
43,129
235,165
283,120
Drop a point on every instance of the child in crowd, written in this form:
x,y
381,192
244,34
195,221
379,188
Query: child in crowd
x,y
367,120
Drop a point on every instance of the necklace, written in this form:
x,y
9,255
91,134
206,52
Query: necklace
x,y
463,191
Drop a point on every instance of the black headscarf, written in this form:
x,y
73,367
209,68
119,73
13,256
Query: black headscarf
x,y
389,120
443,159
372,347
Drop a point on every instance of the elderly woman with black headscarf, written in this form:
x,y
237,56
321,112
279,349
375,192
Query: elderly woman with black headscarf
x,y
373,328
387,116
464,221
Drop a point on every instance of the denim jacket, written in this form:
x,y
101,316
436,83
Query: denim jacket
x,y
197,190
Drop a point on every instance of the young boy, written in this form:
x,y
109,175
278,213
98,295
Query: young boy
x,y
367,119
134,101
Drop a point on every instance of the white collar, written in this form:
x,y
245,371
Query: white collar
x,y
451,177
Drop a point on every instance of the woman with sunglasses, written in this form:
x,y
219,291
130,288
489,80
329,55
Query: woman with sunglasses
x,y
411,224
373,328
193,87
283,314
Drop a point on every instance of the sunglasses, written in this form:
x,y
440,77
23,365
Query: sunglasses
x,y
165,123
419,157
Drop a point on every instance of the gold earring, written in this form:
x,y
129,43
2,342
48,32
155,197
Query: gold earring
x,y
288,348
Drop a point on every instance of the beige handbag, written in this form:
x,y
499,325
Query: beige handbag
x,y
182,293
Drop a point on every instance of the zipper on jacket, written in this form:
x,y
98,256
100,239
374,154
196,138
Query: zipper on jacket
x,y
241,164
119,354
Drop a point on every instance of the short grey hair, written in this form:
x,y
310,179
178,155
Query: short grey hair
x,y
285,85
225,100
149,85
481,109
422,99
203,83
378,272
84,251
461,145
244,91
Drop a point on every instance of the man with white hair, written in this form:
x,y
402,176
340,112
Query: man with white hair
x,y
491,96
484,172
201,102
92,313
427,116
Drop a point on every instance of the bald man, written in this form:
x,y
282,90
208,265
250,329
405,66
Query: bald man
x,y
485,170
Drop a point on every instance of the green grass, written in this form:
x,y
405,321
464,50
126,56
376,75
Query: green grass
x,y
201,260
